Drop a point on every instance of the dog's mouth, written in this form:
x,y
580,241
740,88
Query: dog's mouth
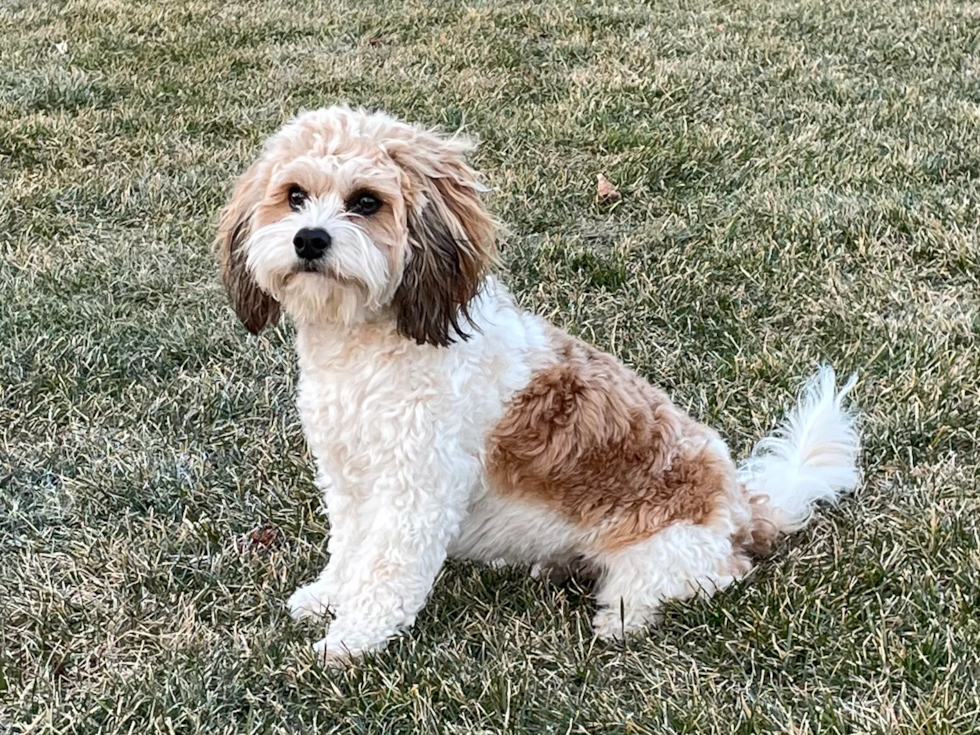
x,y
317,265
324,270
302,268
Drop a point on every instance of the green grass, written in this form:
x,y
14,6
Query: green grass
x,y
800,183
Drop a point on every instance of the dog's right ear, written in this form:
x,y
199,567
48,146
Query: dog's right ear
x,y
254,307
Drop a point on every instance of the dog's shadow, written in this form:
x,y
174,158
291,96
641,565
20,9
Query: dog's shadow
x,y
469,599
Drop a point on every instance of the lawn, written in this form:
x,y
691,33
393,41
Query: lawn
x,y
800,183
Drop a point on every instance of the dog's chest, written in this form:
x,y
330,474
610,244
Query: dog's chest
x,y
372,404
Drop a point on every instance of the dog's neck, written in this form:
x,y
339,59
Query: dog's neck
x,y
321,344
324,344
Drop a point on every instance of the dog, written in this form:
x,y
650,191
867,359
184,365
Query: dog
x,y
448,422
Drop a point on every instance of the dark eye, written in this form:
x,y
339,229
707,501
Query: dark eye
x,y
296,197
364,204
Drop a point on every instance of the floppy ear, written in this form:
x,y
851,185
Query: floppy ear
x,y
254,307
451,239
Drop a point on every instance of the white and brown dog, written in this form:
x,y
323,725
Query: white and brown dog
x,y
446,421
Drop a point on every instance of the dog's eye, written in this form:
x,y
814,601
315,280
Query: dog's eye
x,y
364,204
297,198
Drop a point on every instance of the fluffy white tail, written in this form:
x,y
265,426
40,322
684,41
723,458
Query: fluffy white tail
x,y
812,456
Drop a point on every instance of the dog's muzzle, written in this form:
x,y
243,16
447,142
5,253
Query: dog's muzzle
x,y
311,243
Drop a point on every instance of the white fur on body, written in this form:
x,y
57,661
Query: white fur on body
x,y
398,431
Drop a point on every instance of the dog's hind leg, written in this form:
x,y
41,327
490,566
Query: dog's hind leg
x,y
676,563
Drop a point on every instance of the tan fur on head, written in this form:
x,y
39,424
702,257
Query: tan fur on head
x,y
254,307
418,261
451,237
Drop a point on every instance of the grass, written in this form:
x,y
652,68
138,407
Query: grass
x,y
800,183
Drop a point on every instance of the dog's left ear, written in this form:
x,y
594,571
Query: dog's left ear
x,y
254,307
451,239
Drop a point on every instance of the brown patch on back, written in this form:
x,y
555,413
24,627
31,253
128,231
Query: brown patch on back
x,y
608,450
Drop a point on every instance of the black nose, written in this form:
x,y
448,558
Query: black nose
x,y
311,243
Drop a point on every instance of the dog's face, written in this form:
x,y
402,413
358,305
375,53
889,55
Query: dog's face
x,y
350,217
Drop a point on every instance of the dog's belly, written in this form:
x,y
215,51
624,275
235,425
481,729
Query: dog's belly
x,y
515,531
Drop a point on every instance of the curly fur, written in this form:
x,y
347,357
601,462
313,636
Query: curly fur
x,y
447,421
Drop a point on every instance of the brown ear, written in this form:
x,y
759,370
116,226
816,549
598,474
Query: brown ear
x,y
451,240
254,307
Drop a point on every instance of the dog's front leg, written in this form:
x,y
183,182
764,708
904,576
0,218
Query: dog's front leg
x,y
347,528
390,572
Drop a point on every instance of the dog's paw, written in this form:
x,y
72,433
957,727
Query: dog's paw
x,y
608,625
309,602
612,625
332,658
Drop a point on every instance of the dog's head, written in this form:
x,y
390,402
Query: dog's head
x,y
349,217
